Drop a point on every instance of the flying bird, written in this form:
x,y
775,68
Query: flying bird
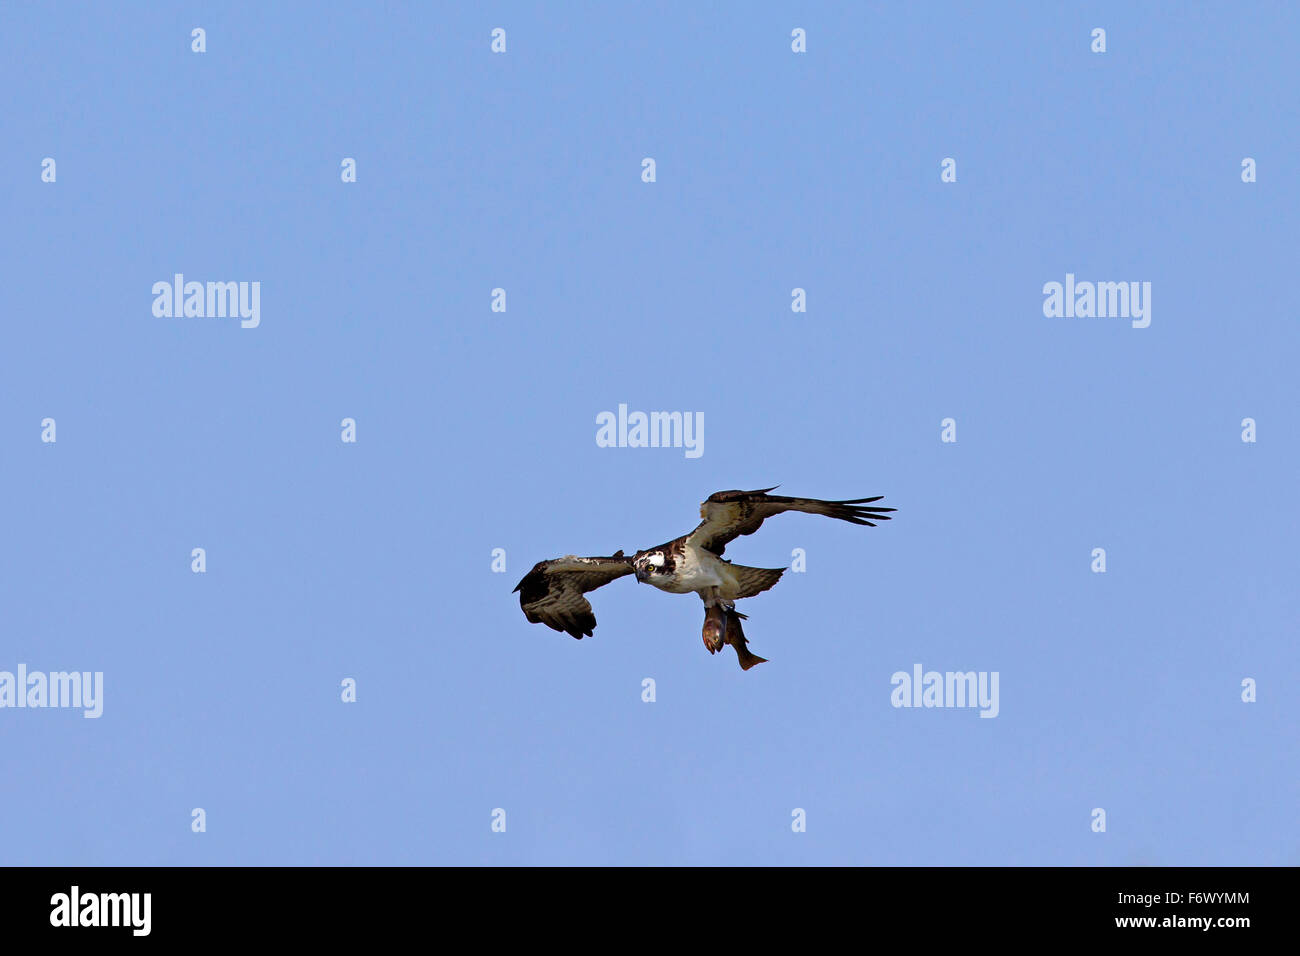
x,y
552,593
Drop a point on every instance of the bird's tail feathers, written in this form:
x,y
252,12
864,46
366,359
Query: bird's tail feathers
x,y
751,581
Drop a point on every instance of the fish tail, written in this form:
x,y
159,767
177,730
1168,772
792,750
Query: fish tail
x,y
736,638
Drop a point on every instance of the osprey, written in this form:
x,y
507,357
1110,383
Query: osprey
x,y
552,592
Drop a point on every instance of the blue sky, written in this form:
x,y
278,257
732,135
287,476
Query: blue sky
x,y
476,430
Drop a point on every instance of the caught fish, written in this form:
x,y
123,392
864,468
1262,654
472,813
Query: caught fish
x,y
722,626
734,635
715,628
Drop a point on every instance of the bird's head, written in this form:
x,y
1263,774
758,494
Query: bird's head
x,y
647,564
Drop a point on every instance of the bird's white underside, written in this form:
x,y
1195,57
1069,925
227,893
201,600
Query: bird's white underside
x,y
696,570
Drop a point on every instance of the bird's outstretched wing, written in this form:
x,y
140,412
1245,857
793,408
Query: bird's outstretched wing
x,y
552,592
729,514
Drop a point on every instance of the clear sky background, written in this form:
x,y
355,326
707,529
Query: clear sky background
x,y
476,430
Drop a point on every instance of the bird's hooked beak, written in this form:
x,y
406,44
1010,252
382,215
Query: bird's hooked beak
x,y
641,572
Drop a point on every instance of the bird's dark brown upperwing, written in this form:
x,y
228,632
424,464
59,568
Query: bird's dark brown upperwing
x,y
552,592
729,514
